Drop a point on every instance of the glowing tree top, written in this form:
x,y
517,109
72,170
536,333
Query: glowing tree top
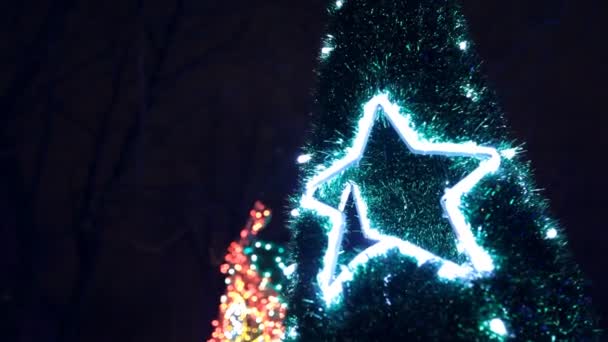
x,y
252,308
418,217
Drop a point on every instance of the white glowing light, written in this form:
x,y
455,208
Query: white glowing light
x,y
288,271
254,257
295,212
498,326
339,4
292,332
551,233
509,153
480,263
463,45
268,246
328,46
258,244
470,92
304,158
326,50
234,313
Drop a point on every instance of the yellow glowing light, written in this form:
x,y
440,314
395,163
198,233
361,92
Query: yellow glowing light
x,y
250,309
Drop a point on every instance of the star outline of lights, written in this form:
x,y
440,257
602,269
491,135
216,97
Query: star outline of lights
x,y
480,263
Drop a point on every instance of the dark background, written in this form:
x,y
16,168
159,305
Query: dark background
x,y
137,134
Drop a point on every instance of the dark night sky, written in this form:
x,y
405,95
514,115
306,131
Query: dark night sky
x,y
136,134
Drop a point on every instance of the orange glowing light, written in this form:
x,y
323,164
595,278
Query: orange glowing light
x,y
249,311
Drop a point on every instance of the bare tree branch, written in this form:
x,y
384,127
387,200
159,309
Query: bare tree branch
x,y
162,246
79,68
23,198
33,57
27,229
204,59
86,241
134,131
89,239
43,148
75,122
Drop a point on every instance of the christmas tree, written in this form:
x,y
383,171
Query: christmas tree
x,y
252,309
418,217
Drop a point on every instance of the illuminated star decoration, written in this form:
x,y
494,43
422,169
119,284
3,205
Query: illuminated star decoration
x,y
479,262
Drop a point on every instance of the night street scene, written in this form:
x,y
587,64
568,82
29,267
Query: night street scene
x,y
321,170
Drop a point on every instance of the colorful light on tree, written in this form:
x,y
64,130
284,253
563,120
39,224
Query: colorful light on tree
x,y
252,309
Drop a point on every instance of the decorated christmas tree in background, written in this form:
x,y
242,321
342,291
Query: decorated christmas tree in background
x,y
252,309
418,218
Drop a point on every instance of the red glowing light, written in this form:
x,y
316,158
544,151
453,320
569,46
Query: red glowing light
x,y
245,309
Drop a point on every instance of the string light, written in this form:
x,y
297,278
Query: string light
x,y
288,271
304,158
470,93
509,153
498,327
479,261
551,233
251,309
490,236
327,49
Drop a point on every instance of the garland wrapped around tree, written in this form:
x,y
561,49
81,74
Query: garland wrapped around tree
x,y
418,217
252,309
